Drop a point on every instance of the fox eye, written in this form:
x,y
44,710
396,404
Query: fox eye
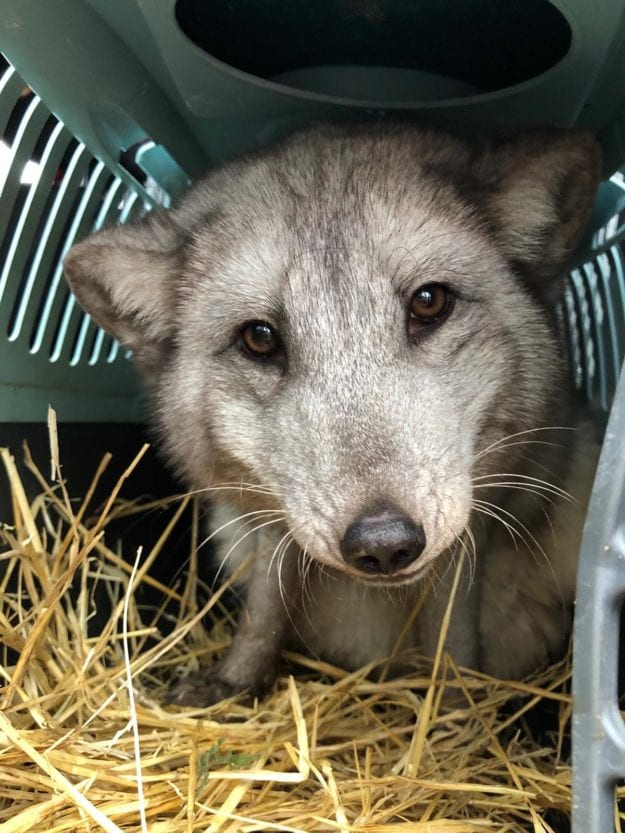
x,y
260,339
430,303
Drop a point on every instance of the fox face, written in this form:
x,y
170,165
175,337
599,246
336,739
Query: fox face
x,y
348,321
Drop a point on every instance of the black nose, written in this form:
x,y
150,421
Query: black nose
x,y
383,542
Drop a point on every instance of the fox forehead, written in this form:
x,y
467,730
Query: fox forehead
x,y
255,274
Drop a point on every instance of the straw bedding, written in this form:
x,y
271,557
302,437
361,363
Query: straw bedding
x,y
86,743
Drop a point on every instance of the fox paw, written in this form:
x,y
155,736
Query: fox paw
x,y
202,689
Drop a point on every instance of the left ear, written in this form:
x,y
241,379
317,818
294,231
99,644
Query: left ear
x,y
542,187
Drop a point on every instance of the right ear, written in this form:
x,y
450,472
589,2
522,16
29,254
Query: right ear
x,y
124,278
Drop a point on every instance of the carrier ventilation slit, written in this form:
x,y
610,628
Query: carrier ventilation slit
x,y
114,352
596,314
154,169
612,337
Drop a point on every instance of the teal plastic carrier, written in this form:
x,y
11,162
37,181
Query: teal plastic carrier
x,y
109,107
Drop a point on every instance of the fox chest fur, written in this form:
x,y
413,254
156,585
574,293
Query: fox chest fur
x,y
352,346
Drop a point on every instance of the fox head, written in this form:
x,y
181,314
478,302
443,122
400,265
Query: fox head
x,y
351,322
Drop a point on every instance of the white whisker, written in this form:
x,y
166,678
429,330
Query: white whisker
x,y
498,442
514,533
238,518
240,540
516,520
528,480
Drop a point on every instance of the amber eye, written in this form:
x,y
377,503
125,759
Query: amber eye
x,y
430,303
259,338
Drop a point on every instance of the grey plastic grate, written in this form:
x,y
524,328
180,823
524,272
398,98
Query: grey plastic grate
x,y
53,191
594,312
45,205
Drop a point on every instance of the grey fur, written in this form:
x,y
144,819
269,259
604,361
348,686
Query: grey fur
x,y
326,236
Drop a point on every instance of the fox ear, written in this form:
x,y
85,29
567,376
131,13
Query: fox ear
x,y
542,189
124,278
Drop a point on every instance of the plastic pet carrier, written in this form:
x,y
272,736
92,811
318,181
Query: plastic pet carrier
x,y
109,107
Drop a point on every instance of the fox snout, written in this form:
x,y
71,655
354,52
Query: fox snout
x,y
382,542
